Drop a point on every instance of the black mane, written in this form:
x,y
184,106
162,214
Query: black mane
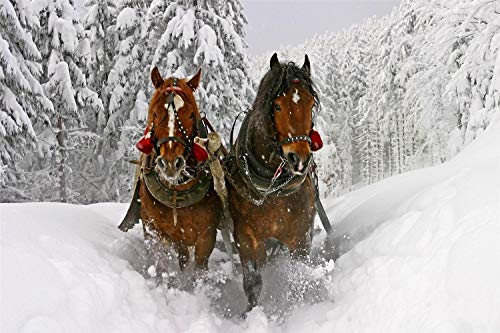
x,y
277,80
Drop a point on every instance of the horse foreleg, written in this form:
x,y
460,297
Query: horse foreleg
x,y
252,283
203,248
182,255
253,256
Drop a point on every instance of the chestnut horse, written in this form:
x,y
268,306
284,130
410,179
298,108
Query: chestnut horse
x,y
271,192
178,201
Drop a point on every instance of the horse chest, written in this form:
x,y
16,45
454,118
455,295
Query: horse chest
x,y
280,217
192,221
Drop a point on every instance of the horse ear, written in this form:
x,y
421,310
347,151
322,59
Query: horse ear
x,y
156,78
274,61
306,67
194,82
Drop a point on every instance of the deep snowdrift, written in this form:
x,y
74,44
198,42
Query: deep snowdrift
x,y
421,255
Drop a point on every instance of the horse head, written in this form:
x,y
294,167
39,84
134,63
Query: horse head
x,y
173,120
292,114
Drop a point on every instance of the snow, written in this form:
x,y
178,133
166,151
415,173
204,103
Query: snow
x,y
208,48
425,252
420,254
128,18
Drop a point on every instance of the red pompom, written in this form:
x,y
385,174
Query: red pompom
x,y
316,142
199,153
145,145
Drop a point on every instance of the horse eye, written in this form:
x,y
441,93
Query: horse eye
x,y
277,107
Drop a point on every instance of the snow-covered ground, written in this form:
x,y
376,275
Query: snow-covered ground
x,y
421,253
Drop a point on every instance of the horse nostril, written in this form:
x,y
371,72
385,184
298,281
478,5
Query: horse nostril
x,y
179,162
161,162
293,158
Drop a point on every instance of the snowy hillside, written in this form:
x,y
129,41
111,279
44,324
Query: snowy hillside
x,y
421,255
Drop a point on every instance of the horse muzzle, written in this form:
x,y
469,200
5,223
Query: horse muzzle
x,y
297,164
171,170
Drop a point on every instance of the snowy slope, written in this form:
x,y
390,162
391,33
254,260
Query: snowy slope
x,y
427,248
421,255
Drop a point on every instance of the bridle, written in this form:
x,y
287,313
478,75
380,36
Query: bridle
x,y
186,141
290,139
277,144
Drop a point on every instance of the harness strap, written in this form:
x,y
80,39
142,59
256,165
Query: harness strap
x,y
295,139
171,138
231,141
319,206
322,215
201,128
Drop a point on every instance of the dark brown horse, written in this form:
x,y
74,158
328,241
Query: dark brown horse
x,y
271,192
178,201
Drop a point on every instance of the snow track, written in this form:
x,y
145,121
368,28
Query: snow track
x,y
421,253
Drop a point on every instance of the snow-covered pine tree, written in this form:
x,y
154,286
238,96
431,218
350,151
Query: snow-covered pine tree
x,y
22,100
356,62
345,138
369,114
473,47
70,142
328,81
421,82
207,34
99,24
128,83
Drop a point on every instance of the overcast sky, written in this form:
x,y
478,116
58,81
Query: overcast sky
x,y
272,23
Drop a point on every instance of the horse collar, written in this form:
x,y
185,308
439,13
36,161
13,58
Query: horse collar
x,y
262,180
174,198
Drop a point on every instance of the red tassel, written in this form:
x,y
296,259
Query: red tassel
x,y
199,153
145,145
316,141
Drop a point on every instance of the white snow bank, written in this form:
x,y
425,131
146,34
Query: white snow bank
x,y
421,255
426,249
62,272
